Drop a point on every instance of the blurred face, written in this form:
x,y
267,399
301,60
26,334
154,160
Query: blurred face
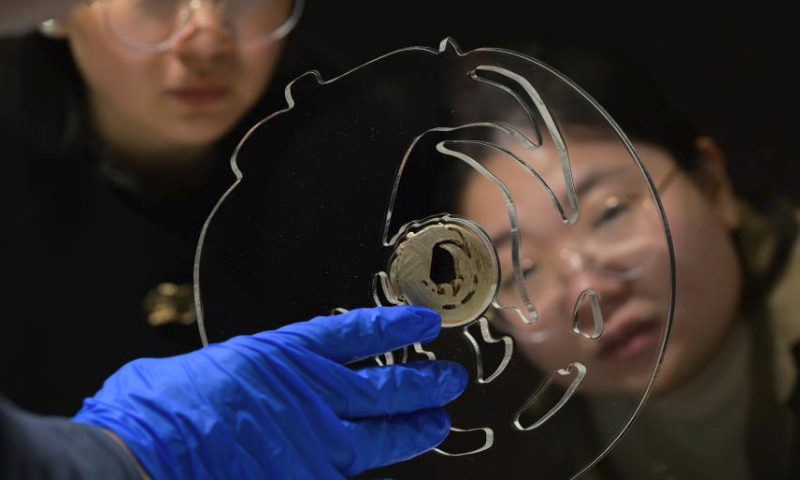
x,y
146,103
617,250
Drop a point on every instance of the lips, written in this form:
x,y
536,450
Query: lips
x,y
625,339
200,95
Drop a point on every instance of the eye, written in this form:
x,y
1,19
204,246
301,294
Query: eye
x,y
158,7
614,208
528,269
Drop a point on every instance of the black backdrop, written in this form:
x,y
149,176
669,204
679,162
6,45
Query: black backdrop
x,y
732,71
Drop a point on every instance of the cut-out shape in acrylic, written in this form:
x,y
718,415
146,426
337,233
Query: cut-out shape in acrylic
x,y
463,442
588,305
536,411
487,341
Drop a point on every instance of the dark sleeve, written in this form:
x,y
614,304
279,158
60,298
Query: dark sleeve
x,y
33,447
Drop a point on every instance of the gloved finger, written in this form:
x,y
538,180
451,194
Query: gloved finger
x,y
383,441
364,332
390,390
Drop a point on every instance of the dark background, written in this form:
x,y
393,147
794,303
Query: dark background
x,y
732,71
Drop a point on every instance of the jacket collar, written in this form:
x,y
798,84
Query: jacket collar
x,y
770,252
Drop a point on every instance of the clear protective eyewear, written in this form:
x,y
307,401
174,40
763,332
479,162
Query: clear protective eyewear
x,y
617,239
155,25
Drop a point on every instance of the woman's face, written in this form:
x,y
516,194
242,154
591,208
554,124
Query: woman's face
x,y
187,97
627,268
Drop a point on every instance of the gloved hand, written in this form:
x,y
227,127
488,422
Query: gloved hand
x,y
280,404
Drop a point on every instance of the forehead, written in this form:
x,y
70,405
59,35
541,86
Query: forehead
x,y
597,167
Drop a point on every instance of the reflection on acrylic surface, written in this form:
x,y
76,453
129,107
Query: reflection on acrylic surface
x,y
506,200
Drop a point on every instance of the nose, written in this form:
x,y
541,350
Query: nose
x,y
581,270
206,35
207,15
578,276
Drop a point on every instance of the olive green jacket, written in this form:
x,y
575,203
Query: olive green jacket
x,y
770,251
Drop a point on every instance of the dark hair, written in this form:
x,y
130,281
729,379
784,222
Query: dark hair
x,y
625,88
42,95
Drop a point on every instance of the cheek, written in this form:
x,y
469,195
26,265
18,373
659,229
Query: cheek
x,y
547,345
706,264
112,73
257,63
708,278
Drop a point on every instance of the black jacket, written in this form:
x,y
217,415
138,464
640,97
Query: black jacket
x,y
38,448
81,247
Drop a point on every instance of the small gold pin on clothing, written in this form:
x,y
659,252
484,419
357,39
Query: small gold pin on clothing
x,y
170,303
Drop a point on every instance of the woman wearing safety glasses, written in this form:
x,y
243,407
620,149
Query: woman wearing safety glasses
x,y
726,401
118,121
111,161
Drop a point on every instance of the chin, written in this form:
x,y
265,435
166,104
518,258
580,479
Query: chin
x,y
202,131
197,138
669,377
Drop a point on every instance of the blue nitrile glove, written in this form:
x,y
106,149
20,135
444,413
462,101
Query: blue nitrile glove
x,y
280,404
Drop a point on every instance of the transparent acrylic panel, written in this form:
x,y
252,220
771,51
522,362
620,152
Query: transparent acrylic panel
x,y
484,185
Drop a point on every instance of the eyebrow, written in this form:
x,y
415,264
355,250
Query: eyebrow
x,y
585,184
